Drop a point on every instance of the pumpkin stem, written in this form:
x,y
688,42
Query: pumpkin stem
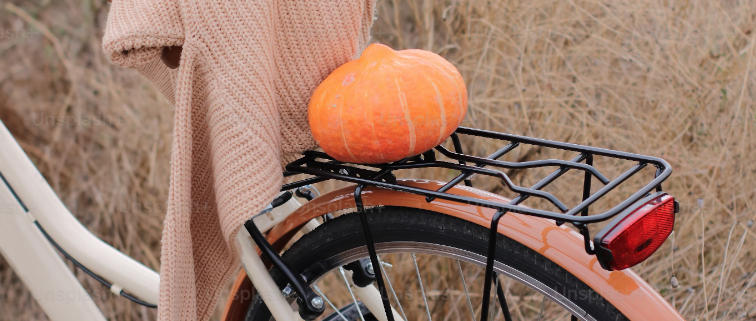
x,y
378,51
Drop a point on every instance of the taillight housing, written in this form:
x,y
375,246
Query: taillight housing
x,y
636,233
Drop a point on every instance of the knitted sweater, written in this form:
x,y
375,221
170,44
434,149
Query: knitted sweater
x,y
247,71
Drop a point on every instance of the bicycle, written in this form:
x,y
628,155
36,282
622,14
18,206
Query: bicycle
x,y
449,225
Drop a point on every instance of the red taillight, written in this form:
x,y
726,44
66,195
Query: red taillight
x,y
636,233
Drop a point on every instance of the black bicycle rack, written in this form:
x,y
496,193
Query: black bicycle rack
x,y
323,167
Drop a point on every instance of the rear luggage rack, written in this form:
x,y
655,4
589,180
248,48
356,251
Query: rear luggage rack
x,y
323,167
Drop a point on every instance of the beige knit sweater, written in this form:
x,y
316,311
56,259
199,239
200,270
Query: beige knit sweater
x,y
247,71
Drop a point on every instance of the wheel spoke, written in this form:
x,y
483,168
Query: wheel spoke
x,y
543,304
357,305
502,300
422,290
329,302
467,294
388,280
493,304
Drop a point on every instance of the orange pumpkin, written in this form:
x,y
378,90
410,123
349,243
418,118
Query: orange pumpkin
x,y
387,105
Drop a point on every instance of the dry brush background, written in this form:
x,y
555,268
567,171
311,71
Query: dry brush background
x,y
670,78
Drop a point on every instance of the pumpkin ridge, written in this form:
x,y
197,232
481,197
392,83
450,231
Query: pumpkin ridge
x,y
368,109
410,124
446,72
341,124
442,108
375,134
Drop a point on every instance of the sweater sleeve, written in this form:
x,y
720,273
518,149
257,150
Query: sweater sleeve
x,y
137,30
161,76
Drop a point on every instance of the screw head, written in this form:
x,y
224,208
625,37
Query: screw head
x,y
317,302
369,268
287,291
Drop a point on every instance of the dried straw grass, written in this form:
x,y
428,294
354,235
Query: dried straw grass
x,y
666,78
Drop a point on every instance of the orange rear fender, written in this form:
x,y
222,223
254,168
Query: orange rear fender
x,y
624,289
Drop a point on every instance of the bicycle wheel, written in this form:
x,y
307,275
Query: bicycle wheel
x,y
437,273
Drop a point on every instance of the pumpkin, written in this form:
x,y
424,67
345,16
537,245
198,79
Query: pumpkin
x,y
387,105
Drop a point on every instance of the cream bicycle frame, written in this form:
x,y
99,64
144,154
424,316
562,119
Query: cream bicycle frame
x,y
26,199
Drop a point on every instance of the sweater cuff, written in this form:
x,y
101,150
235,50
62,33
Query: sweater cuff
x,y
137,30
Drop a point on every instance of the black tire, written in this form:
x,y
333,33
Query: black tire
x,y
398,224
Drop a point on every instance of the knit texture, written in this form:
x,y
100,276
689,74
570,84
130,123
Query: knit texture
x,y
247,71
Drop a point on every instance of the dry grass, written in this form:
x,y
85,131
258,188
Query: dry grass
x,y
667,78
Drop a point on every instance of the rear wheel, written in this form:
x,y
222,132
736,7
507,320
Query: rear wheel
x,y
434,265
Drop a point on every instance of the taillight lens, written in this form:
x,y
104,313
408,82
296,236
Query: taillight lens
x,y
637,233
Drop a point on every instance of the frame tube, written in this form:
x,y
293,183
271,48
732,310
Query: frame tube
x,y
42,202
39,266
371,297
